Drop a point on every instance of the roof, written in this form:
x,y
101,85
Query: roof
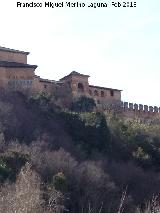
x,y
47,81
13,50
74,73
16,65
98,87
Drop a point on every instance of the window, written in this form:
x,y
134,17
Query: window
x,y
98,102
95,92
80,87
112,93
90,92
45,86
102,93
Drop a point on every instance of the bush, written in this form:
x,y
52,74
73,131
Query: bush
x,y
83,104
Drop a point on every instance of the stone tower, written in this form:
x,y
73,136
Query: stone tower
x,y
78,84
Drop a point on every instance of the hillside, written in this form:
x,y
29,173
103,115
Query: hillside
x,y
55,160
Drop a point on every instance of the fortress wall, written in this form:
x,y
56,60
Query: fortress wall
x,y
12,56
104,96
131,110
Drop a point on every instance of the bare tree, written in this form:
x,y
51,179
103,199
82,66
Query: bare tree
x,y
152,206
24,196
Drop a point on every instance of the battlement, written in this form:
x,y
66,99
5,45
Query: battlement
x,y
140,107
132,110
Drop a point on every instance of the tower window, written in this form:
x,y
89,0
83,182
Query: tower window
x,y
102,93
112,93
80,87
95,92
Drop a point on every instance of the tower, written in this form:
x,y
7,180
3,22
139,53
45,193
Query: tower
x,y
77,83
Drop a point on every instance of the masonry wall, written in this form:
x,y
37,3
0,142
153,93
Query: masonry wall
x,y
14,57
43,86
14,78
79,85
104,96
131,110
139,110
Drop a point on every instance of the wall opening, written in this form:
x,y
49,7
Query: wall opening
x,y
112,93
80,87
95,92
102,93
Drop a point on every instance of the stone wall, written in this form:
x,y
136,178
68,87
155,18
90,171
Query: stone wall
x,y
11,78
104,96
14,57
132,110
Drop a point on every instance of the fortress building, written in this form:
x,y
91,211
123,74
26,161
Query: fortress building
x,y
14,70
17,74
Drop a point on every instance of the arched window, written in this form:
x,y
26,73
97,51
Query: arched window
x,y
102,93
95,92
80,87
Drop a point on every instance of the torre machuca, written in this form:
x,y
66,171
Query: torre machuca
x,y
17,75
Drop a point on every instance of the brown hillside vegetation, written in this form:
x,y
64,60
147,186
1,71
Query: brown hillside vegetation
x,y
56,160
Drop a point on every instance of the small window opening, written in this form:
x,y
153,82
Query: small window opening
x,y
80,87
112,93
102,93
95,92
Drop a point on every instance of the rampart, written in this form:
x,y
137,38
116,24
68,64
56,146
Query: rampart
x,y
132,110
139,110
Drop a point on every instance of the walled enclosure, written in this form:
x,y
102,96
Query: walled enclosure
x,y
16,74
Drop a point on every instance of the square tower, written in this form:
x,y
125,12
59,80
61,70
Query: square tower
x,y
77,83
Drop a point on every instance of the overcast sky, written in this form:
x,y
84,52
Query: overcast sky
x,y
117,47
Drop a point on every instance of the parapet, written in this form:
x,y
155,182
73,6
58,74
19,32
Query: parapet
x,y
140,110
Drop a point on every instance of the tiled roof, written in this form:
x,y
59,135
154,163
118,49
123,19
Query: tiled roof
x,y
16,65
12,50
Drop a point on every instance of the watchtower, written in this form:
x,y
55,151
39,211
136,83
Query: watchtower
x,y
78,84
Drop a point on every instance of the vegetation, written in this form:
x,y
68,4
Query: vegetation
x,y
83,104
79,161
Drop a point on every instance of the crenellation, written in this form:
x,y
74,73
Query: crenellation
x,y
151,109
131,106
125,105
156,109
121,104
140,107
146,108
140,110
136,107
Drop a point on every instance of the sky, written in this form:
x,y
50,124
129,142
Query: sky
x,y
118,47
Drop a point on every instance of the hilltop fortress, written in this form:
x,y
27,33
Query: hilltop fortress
x,y
17,74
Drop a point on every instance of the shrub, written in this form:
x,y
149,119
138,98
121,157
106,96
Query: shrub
x,y
83,104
